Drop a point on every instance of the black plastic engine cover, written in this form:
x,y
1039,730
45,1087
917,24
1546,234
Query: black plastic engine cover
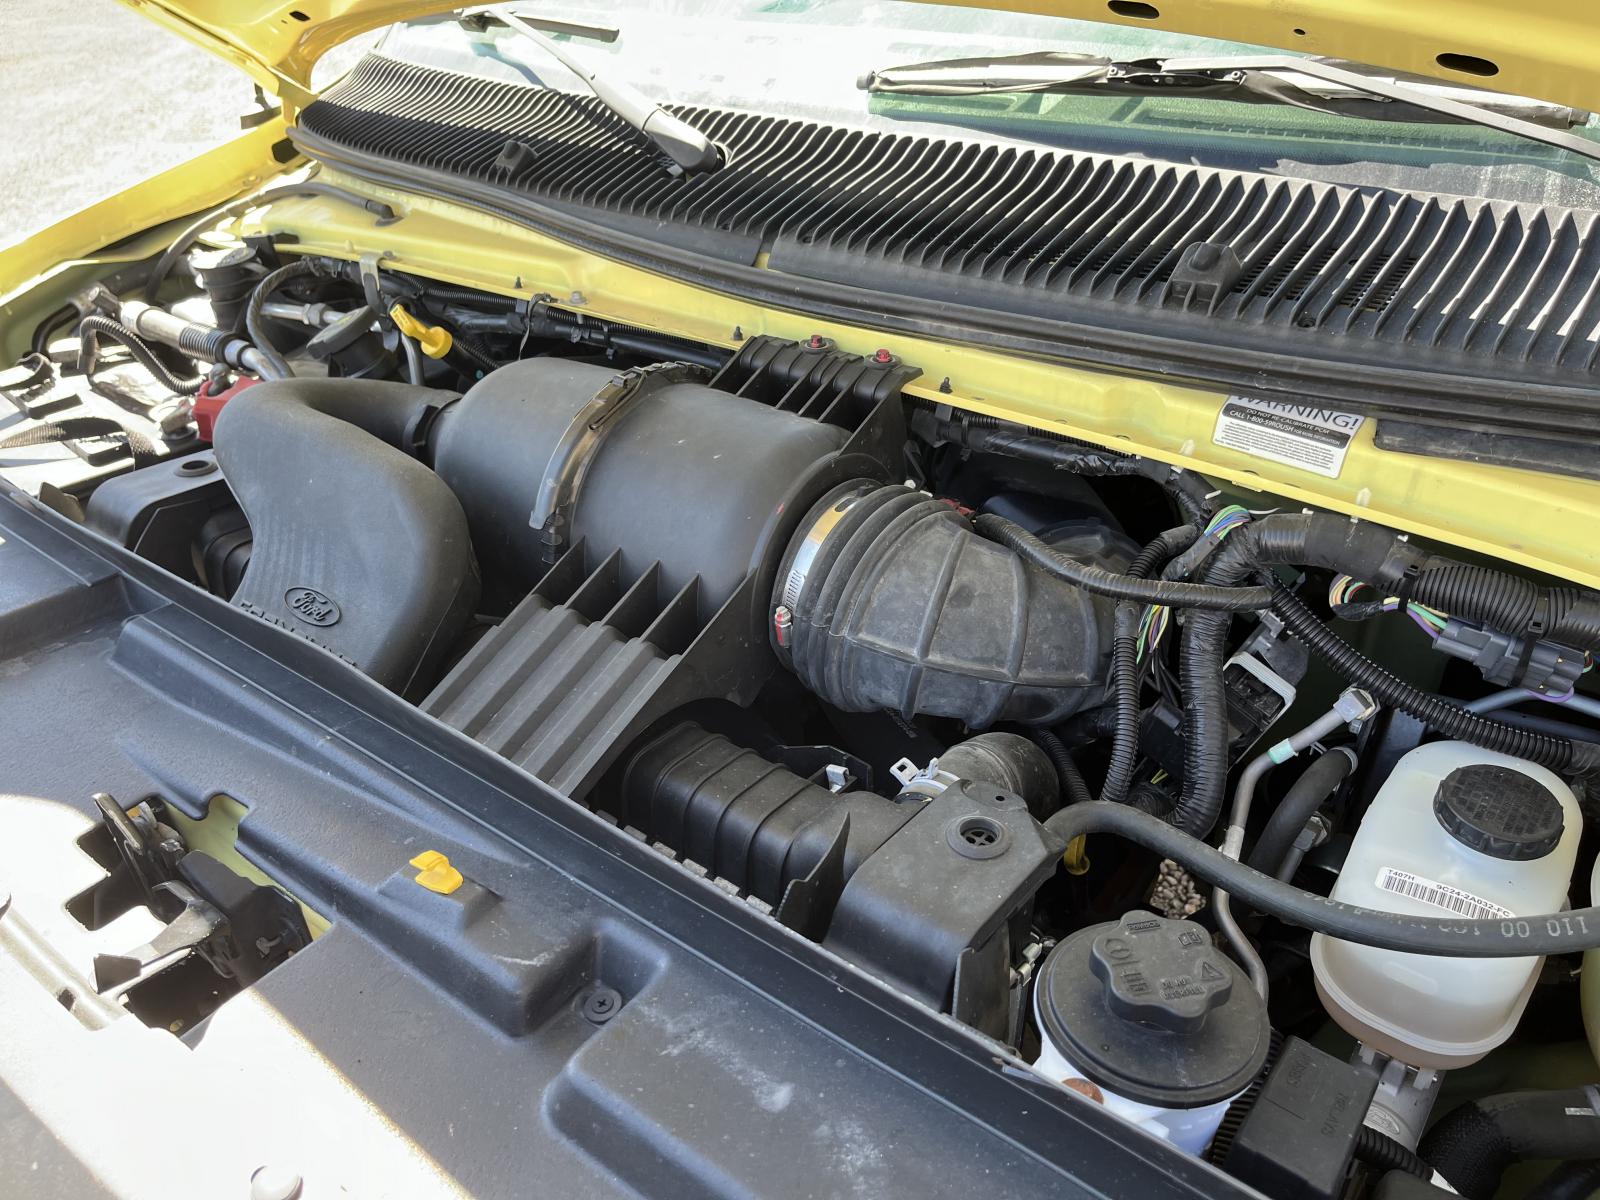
x,y
430,1045
941,891
358,547
692,477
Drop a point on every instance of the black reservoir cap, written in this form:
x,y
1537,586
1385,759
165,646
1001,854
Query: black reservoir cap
x,y
1298,1138
1148,1008
1499,811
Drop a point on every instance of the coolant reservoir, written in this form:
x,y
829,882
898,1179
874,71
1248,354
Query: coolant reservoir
x,y
1455,831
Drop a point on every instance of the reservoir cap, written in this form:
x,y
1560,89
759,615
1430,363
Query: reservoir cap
x,y
1146,1007
1499,811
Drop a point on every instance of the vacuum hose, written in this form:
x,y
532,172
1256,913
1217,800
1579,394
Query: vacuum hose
x,y
97,327
277,366
1525,937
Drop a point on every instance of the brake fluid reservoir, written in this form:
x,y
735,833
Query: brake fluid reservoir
x,y
1455,832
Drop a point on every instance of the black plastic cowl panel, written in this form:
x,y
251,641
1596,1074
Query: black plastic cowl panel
x,y
1328,271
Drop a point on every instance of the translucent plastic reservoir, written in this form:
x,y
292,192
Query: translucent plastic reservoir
x,y
1489,845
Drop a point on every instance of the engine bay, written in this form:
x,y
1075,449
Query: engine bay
x,y
1258,826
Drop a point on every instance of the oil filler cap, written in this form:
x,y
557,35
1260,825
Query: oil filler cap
x,y
1499,811
1147,1008
1160,972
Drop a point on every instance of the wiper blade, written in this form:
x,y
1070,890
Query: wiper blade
x,y
686,146
1323,85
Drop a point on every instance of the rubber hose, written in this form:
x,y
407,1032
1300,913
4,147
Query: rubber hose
x,y
40,342
1307,794
1006,760
1382,1153
1525,937
191,232
990,435
1201,656
1505,602
1472,1145
1569,1181
99,326
1125,665
1118,586
1560,754
395,413
270,283
1074,789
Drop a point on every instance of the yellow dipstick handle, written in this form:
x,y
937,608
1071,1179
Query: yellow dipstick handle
x,y
434,341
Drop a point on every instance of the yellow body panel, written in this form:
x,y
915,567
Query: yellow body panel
x,y
1544,522
79,241
1541,521
1542,48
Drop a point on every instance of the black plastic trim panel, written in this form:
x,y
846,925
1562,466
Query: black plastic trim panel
x,y
744,1061
1413,299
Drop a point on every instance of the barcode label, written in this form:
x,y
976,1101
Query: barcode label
x,y
1440,895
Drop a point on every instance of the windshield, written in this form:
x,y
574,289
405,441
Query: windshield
x,y
802,59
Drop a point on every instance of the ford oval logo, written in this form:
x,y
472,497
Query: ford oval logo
x,y
312,606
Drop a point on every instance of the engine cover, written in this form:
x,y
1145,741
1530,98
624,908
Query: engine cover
x,y
688,476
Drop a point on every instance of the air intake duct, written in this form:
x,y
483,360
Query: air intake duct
x,y
924,890
357,547
652,463
888,599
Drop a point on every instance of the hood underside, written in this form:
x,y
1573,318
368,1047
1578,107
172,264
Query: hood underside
x,y
1541,48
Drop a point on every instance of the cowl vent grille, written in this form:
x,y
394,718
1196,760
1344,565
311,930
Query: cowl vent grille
x,y
1312,268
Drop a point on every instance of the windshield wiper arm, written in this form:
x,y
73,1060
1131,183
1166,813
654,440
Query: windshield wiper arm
x,y
686,146
1319,84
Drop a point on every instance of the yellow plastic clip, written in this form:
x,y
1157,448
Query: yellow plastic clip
x,y
437,873
433,340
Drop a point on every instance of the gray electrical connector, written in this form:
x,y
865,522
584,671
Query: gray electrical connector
x,y
1500,657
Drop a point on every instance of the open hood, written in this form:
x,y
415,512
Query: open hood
x,y
1541,48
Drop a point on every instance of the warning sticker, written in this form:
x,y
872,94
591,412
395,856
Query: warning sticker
x,y
1308,436
1440,895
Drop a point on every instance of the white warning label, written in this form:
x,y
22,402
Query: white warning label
x,y
1309,436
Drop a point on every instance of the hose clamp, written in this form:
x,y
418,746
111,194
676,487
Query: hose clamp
x,y
810,544
921,782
